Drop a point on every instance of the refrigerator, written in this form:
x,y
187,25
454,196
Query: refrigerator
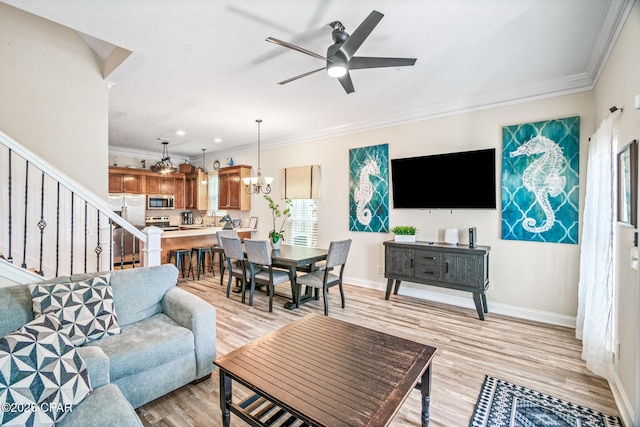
x,y
131,207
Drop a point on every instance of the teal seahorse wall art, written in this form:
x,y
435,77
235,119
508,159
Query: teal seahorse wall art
x,y
540,181
369,189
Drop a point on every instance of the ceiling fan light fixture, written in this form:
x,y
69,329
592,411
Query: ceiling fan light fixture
x,y
336,69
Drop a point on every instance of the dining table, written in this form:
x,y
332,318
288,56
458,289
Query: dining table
x,y
292,257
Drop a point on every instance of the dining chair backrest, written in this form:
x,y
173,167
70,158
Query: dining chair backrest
x,y
258,251
338,252
225,233
232,247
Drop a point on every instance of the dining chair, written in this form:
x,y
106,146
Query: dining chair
x,y
234,254
324,279
219,234
259,255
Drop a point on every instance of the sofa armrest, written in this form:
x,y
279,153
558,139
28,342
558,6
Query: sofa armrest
x,y
97,365
195,314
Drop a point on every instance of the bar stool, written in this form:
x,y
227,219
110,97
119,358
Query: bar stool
x,y
180,256
201,257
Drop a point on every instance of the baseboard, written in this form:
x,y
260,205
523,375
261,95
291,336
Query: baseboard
x,y
465,300
622,402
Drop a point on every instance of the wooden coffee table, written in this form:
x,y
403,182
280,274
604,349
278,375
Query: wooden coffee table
x,y
325,372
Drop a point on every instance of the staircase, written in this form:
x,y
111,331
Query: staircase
x,y
51,226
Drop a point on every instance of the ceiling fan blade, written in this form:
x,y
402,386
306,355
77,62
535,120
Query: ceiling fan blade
x,y
361,33
294,47
346,83
300,76
360,62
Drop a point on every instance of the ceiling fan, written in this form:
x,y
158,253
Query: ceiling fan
x,y
340,57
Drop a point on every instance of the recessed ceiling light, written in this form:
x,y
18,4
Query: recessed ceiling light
x,y
180,132
217,140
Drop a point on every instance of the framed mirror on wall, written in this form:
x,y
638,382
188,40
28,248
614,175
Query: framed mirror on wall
x,y
628,184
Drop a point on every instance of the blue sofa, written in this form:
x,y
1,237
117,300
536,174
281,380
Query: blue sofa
x,y
167,339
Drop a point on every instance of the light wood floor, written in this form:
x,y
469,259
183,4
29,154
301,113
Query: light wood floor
x,y
539,356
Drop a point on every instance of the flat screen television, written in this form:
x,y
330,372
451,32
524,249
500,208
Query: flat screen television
x,y
463,180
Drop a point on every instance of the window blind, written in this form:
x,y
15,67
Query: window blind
x,y
302,225
302,182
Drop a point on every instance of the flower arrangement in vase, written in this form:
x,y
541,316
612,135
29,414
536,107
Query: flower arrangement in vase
x,y
404,233
276,234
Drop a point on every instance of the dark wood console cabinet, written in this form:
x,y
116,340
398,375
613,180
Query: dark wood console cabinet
x,y
457,267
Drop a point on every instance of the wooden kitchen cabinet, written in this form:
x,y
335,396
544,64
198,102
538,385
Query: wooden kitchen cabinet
x,y
231,192
126,183
160,185
178,195
196,193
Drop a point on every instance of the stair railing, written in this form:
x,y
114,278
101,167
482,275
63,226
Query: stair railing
x,y
54,225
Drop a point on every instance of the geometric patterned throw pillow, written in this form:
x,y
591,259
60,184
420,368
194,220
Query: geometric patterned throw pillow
x,y
41,375
84,308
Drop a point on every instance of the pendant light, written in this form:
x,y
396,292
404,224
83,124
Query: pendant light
x,y
258,183
204,177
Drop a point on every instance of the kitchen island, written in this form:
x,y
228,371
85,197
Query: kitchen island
x,y
194,236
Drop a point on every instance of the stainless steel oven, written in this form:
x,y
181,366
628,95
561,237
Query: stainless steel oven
x,y
160,201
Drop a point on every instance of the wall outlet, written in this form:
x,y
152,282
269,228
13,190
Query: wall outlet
x,y
380,271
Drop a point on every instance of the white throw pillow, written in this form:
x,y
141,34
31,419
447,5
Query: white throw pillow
x,y
42,377
84,308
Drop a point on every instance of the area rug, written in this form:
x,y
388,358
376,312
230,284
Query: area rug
x,y
502,404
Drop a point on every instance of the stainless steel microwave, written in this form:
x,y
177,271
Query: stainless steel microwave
x,y
160,201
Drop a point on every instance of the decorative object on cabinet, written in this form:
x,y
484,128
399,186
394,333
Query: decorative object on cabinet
x,y
231,194
276,235
628,184
227,221
445,266
369,189
187,167
216,165
257,184
164,165
253,222
451,236
404,233
540,181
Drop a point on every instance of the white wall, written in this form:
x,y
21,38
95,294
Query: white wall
x,y
53,99
537,279
618,84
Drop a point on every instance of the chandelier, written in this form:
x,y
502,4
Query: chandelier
x,y
258,183
164,165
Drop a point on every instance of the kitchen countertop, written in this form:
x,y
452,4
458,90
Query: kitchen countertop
x,y
198,230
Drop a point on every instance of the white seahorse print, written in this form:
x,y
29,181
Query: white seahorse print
x,y
363,193
542,177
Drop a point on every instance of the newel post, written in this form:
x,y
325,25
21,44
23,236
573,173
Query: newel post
x,y
152,250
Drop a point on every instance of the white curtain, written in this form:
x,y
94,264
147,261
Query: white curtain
x,y
594,324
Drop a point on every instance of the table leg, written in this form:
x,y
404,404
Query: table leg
x,y
295,302
225,398
389,287
425,390
477,299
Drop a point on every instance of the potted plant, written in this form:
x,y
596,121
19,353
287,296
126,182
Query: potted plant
x,y
276,235
404,233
